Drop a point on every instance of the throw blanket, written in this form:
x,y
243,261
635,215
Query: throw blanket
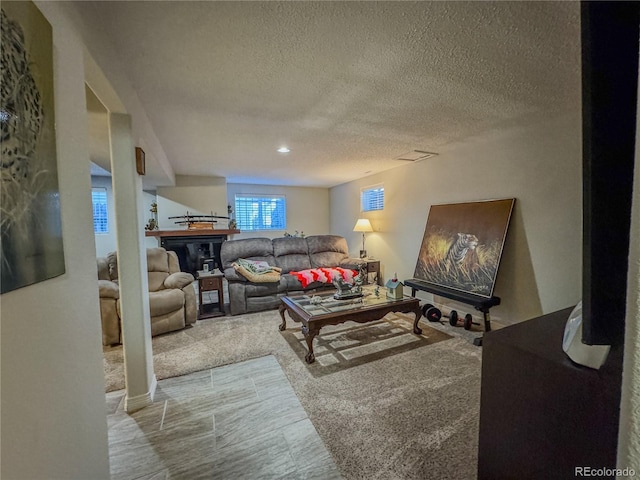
x,y
324,275
256,271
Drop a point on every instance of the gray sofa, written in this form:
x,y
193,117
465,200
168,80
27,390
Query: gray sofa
x,y
288,253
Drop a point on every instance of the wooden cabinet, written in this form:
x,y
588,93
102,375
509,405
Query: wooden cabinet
x,y
541,415
207,283
373,272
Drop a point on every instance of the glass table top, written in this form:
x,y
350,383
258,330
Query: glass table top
x,y
324,303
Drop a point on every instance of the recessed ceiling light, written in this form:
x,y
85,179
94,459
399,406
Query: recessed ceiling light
x,y
283,150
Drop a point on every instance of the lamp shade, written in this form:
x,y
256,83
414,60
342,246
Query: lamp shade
x,y
363,225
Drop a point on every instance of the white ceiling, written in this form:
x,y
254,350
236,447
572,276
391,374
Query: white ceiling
x,y
347,86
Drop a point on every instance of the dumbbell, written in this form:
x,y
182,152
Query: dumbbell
x,y
467,322
431,313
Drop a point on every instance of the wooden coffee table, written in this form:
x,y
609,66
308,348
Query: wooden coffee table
x,y
329,311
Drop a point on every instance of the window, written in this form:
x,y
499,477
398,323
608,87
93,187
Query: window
x,y
100,217
372,198
261,212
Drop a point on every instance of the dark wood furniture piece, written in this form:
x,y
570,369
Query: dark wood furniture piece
x,y
541,415
373,266
314,316
210,282
194,246
609,39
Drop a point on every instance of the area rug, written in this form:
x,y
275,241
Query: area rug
x,y
349,345
409,414
224,340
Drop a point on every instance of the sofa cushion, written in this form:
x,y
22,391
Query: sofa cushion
x,y
167,323
291,253
327,250
178,280
156,280
249,248
103,269
165,301
326,259
112,262
293,262
108,289
157,260
261,289
174,263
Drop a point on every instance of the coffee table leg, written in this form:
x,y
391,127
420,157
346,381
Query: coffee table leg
x,y
416,329
283,325
309,335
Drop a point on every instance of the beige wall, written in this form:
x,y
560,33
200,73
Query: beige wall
x,y
540,166
629,436
53,418
307,208
106,242
196,195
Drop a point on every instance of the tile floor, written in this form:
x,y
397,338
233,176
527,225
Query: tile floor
x,y
240,421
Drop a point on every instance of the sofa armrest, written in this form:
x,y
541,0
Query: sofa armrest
x,y
108,289
353,263
178,280
231,275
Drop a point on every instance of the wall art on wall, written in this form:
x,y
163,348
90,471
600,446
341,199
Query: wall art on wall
x,y
30,224
462,245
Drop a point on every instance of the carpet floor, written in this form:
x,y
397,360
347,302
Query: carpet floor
x,y
386,403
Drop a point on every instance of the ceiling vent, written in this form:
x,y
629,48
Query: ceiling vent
x,y
415,156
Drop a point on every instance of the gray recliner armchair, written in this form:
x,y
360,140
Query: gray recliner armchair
x,y
172,298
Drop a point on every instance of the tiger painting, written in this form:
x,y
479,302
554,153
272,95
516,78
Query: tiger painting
x,y
21,110
460,249
31,247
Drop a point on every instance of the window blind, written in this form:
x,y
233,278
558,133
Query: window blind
x,y
372,198
100,210
261,212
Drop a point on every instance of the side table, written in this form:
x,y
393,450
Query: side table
x,y
373,266
210,282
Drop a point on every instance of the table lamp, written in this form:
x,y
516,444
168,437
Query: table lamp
x,y
363,225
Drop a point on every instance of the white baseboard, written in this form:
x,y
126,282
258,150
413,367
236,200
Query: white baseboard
x,y
131,404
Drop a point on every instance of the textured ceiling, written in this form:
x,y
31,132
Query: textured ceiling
x,y
347,86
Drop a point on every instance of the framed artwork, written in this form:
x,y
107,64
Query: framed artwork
x,y
31,248
140,161
462,245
